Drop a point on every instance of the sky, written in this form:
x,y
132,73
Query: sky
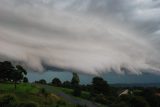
x,y
92,37
111,78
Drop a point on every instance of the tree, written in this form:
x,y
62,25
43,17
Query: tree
x,y
56,82
75,83
67,84
10,73
75,79
18,74
42,81
99,86
6,69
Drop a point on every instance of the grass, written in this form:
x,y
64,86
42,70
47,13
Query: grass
x,y
32,93
84,94
21,88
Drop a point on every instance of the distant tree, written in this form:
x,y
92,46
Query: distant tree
x,y
75,79
75,83
99,86
42,81
67,84
56,82
25,80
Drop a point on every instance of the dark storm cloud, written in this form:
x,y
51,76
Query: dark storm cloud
x,y
89,36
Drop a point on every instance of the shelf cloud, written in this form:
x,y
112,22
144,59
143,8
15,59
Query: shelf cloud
x,y
87,36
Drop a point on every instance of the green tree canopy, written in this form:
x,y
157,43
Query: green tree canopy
x,y
75,79
56,82
100,86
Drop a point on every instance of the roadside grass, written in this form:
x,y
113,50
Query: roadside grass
x,y
26,92
21,88
84,94
53,89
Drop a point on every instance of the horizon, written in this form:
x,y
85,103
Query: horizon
x,y
111,78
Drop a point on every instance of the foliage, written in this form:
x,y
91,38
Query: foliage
x,y
28,104
100,99
41,81
8,101
56,82
99,86
10,73
138,101
120,104
6,68
75,79
66,84
75,84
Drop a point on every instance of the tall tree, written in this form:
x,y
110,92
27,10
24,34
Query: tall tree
x,y
75,83
75,79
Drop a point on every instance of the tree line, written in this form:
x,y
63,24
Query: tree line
x,y
11,73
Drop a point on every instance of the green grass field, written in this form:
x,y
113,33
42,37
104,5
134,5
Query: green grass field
x,y
21,88
32,93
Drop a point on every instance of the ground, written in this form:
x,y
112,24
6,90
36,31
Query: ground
x,y
55,95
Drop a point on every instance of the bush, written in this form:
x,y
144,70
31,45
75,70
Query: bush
x,y
120,104
101,99
77,91
28,104
61,102
80,105
139,102
8,101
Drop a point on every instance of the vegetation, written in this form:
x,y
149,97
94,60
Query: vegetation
x,y
56,82
75,83
16,91
10,73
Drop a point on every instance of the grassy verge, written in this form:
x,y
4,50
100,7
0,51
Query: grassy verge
x,y
53,89
32,93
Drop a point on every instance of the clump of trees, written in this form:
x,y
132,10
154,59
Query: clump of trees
x,y
11,73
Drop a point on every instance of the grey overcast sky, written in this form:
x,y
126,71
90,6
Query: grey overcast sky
x,y
86,36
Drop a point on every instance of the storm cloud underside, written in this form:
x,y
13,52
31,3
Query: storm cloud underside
x,y
88,36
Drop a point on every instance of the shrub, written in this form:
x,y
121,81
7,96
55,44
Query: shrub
x,y
28,104
120,104
77,91
101,99
8,101
61,102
